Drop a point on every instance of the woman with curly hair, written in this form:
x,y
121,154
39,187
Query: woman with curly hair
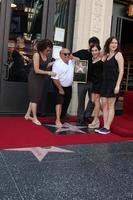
x,y
41,61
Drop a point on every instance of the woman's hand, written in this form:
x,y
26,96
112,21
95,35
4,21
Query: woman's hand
x,y
116,90
51,74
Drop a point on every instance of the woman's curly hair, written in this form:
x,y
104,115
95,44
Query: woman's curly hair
x,y
44,44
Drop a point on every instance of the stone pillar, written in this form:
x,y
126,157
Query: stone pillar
x,y
92,18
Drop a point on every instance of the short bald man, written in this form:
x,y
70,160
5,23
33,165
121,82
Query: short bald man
x,y
63,80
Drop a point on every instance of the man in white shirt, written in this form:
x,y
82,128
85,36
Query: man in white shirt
x,y
63,68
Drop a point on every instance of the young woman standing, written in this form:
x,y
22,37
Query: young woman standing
x,y
113,68
96,70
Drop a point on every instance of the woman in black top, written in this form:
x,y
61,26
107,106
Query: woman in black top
x,y
96,70
113,68
36,77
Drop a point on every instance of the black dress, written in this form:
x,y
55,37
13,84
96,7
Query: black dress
x,y
96,72
110,76
36,82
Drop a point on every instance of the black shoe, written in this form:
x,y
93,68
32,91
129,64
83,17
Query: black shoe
x,y
80,122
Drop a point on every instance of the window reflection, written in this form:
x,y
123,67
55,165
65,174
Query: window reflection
x,y
61,14
60,25
25,28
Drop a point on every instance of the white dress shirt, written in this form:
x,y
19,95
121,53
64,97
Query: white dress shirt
x,y
64,72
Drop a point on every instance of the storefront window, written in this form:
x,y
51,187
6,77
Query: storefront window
x,y
25,30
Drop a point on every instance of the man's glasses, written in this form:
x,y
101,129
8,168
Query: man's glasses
x,y
66,54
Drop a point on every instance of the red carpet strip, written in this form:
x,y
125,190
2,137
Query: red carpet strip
x,y
16,132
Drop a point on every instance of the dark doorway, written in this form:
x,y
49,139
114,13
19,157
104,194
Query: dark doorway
x,y
123,27
127,33
127,49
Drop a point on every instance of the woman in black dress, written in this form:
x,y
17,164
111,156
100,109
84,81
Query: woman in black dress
x,y
96,70
41,62
113,68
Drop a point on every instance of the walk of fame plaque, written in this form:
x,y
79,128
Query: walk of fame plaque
x,y
80,71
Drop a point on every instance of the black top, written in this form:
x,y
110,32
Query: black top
x,y
84,54
96,71
18,59
110,76
110,69
36,82
43,64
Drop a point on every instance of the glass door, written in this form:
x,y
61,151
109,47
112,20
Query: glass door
x,y
22,28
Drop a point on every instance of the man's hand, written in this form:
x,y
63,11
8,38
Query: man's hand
x,y
75,58
61,91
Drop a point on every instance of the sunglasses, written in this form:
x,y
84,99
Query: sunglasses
x,y
66,54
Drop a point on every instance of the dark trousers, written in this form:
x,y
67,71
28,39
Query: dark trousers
x,y
83,89
67,99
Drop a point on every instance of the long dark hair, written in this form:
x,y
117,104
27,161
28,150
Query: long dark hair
x,y
108,42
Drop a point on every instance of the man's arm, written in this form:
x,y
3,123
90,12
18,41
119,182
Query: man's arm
x,y
77,53
83,54
56,80
59,87
77,59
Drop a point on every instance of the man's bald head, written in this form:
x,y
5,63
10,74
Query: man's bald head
x,y
65,54
64,50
